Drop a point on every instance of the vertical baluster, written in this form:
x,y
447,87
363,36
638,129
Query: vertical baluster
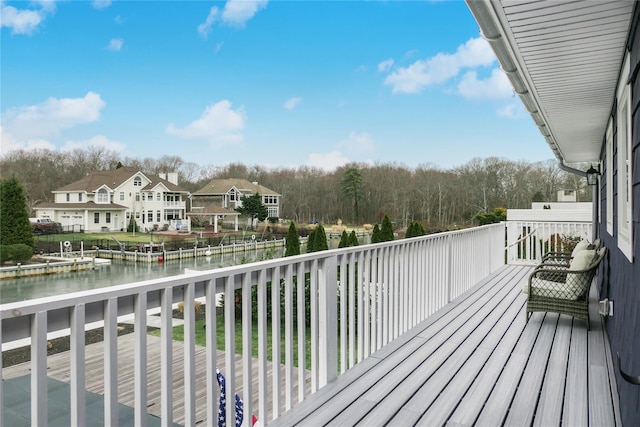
x,y
275,340
405,310
230,345
383,312
314,326
39,369
247,377
301,332
262,344
343,313
111,362
78,411
352,305
364,310
375,288
140,359
1,380
189,355
288,336
212,352
166,356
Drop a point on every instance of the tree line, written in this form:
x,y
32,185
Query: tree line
x,y
356,193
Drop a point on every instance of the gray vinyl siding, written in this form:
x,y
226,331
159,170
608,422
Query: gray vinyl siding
x,y
619,279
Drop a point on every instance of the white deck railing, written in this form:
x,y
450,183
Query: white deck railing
x,y
360,299
529,240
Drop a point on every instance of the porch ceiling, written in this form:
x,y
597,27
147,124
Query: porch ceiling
x,y
563,58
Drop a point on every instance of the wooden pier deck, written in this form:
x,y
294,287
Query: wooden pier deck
x,y
478,362
58,371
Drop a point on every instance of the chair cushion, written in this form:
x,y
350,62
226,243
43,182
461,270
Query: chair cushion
x,y
551,289
580,246
582,259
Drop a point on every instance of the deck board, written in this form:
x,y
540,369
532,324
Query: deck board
x,y
576,408
492,346
396,385
549,406
479,362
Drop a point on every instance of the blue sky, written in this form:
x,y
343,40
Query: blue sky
x,y
270,83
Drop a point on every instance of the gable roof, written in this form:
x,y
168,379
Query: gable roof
x,y
212,210
563,59
80,206
115,178
222,186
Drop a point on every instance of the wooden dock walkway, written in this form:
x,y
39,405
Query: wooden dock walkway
x,y
58,369
478,362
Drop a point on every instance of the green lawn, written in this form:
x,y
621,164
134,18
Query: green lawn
x,y
121,236
178,335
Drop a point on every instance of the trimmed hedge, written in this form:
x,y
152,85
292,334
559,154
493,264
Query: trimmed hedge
x,y
16,253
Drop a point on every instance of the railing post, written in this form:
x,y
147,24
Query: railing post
x,y
1,397
449,268
327,324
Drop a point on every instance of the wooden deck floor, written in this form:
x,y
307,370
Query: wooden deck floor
x,y
58,369
475,362
478,362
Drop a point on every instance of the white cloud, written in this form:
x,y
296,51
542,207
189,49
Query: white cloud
x,y
358,142
235,13
51,116
291,103
238,12
441,67
361,68
411,53
512,110
327,161
101,4
9,143
115,45
497,85
385,65
219,123
219,46
96,141
20,21
47,5
205,28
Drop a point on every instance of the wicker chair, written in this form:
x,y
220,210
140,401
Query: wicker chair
x,y
564,258
562,289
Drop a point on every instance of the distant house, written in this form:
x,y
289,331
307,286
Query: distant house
x,y
220,197
106,200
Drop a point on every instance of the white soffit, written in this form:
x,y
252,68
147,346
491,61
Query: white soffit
x,y
569,54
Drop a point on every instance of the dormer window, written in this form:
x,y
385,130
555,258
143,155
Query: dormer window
x,y
137,181
232,195
103,196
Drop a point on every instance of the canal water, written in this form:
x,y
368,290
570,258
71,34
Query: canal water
x,y
120,272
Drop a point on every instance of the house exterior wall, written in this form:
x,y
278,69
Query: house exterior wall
x,y
151,207
271,202
619,278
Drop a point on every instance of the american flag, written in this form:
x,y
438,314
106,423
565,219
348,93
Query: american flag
x,y
222,409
